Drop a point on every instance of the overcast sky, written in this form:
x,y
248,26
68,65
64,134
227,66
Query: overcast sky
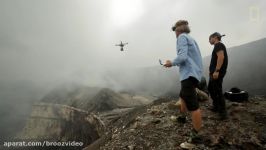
x,y
46,41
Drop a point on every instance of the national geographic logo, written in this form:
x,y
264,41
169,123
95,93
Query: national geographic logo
x,y
254,14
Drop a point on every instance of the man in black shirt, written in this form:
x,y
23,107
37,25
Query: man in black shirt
x,y
218,67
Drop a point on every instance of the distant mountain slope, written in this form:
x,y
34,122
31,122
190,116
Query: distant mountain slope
x,y
74,96
107,100
94,99
247,67
152,81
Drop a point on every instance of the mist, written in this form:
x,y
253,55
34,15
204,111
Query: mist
x,y
53,42
56,43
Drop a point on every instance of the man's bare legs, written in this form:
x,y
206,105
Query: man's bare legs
x,y
196,119
196,115
183,106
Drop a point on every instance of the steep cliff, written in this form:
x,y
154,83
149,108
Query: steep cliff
x,y
54,122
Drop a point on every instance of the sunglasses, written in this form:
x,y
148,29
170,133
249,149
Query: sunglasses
x,y
173,28
160,62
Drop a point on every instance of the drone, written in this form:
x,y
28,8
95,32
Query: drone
x,y
121,45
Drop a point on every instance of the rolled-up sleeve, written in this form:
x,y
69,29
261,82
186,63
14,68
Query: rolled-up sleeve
x,y
182,50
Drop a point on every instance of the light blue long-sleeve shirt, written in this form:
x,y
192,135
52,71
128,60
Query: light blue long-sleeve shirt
x,y
188,57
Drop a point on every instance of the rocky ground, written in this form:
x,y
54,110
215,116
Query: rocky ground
x,y
154,126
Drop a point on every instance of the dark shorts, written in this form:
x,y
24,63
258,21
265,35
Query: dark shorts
x,y
188,93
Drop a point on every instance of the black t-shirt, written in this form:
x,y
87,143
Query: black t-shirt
x,y
217,47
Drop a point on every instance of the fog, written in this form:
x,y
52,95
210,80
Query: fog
x,y
49,43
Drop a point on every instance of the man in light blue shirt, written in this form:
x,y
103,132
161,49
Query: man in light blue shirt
x,y
189,61
188,58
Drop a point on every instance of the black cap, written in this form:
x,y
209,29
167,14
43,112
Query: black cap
x,y
217,34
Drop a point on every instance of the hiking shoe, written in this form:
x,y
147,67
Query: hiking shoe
x,y
187,145
194,139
